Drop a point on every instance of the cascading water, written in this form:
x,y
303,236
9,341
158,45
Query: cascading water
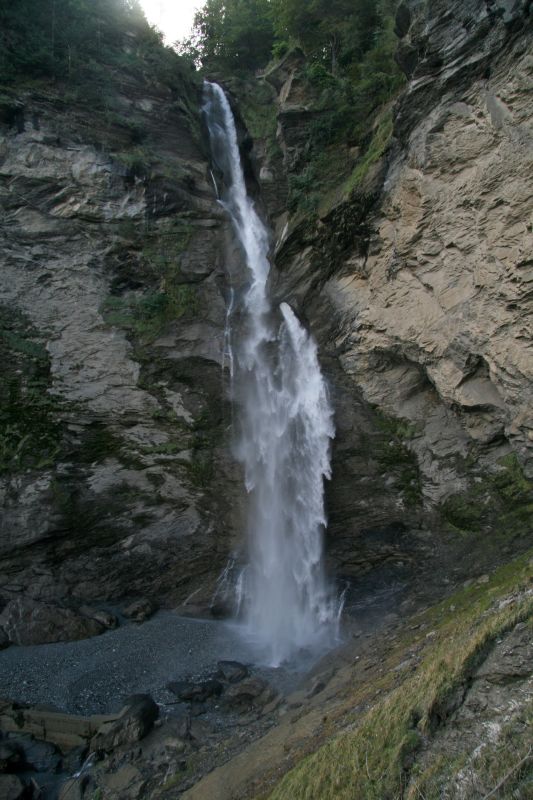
x,y
285,424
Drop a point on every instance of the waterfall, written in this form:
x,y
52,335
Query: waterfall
x,y
284,426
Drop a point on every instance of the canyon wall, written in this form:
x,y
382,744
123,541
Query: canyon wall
x,y
414,274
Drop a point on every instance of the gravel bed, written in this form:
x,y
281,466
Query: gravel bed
x,y
95,675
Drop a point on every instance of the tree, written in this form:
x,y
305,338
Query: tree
x,y
329,31
231,35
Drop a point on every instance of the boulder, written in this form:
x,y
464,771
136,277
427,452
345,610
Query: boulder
x,y
37,755
136,720
232,671
11,788
140,610
191,692
252,691
104,618
11,757
26,622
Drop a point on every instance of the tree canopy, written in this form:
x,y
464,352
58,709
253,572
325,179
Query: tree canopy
x,y
232,35
241,35
54,38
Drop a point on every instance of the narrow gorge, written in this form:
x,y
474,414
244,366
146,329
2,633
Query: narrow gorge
x,y
266,428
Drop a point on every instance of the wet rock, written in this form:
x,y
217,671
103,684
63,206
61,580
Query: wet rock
x,y
232,671
38,756
252,691
26,622
140,610
191,692
136,720
74,759
11,757
220,610
127,782
273,705
402,21
4,639
78,788
104,618
11,788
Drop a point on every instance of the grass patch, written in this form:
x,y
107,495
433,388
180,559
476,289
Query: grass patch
x,y
376,760
379,143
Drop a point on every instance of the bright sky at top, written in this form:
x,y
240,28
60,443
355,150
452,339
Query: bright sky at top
x,y
172,17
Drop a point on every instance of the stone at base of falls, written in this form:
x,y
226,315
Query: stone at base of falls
x,y
26,622
251,692
232,671
191,692
140,610
105,618
31,754
135,721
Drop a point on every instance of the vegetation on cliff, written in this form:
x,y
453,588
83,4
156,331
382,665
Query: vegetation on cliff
x,y
348,74
79,43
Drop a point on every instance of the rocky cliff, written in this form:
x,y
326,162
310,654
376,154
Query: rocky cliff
x,y
415,274
117,476
112,311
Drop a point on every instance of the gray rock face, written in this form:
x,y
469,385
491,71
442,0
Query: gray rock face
x,y
117,271
436,327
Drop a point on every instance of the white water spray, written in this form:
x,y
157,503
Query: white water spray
x,y
283,440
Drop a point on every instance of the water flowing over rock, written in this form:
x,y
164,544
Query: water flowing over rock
x,y
285,424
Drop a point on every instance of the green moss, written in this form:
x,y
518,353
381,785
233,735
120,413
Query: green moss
x,y
460,512
30,430
379,143
98,443
146,316
162,248
165,449
201,469
394,456
502,500
258,110
136,160
207,433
